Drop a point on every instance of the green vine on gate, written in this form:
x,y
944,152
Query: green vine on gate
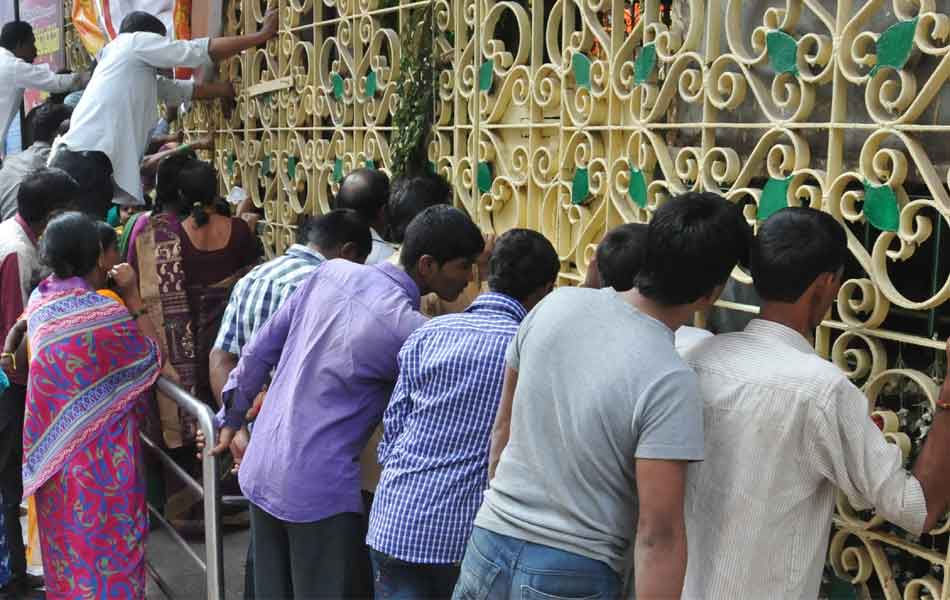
x,y
412,121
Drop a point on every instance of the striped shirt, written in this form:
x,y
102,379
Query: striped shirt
x,y
259,294
785,432
437,430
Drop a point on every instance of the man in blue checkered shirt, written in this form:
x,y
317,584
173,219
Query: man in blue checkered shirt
x,y
437,427
337,234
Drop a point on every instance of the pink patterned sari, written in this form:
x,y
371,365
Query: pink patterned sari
x,y
90,366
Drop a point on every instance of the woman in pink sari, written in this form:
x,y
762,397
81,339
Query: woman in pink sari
x,y
92,360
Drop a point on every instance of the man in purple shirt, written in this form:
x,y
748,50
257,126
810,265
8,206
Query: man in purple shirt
x,y
334,344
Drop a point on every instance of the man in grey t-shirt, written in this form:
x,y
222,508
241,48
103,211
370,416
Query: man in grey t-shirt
x,y
599,415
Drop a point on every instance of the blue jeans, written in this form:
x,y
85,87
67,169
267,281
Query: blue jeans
x,y
394,579
499,567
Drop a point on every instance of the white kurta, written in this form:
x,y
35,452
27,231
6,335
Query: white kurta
x,y
16,76
120,105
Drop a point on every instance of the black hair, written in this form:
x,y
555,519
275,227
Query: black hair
x,y
142,21
443,232
198,187
336,228
365,191
45,191
16,33
522,262
107,235
47,119
795,246
167,196
410,196
70,246
620,255
693,243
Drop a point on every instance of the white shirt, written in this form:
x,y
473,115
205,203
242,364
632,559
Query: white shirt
x,y
16,76
686,337
381,249
15,169
784,428
120,105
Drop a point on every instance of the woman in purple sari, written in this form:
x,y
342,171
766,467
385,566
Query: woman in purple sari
x,y
93,359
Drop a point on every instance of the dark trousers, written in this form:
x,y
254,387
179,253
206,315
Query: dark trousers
x,y
11,475
307,560
399,580
249,568
93,172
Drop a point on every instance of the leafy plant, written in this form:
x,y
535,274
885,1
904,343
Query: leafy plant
x,y
413,118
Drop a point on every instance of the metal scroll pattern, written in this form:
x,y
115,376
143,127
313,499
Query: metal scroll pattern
x,y
573,116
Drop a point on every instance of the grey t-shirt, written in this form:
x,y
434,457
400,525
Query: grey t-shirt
x,y
599,385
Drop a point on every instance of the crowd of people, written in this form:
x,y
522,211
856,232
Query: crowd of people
x,y
412,410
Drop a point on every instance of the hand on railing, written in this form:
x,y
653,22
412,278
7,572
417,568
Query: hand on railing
x,y
236,443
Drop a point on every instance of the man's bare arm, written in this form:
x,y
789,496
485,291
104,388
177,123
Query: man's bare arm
x,y
226,47
220,364
502,427
660,553
931,465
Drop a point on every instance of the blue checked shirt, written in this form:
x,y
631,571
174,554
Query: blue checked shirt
x,y
260,293
437,429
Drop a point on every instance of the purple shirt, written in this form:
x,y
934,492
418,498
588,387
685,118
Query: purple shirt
x,y
334,343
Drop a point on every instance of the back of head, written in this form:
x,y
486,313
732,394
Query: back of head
x,y
167,196
70,246
620,255
443,232
14,34
693,243
198,188
107,234
364,190
412,195
794,246
45,191
522,262
47,119
142,21
335,229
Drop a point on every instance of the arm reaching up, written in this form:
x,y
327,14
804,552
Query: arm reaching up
x,y
226,47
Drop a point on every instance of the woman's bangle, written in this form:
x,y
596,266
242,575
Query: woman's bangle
x,y
11,356
140,313
183,148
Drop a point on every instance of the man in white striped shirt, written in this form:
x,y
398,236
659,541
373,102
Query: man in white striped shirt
x,y
784,429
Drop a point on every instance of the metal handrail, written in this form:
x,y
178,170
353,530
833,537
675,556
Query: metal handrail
x,y
213,565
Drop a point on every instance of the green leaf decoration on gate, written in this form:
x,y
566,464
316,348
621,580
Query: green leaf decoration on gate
x,y
265,165
774,197
231,158
645,63
581,66
895,44
484,177
338,170
580,187
486,75
337,80
292,167
782,50
880,206
638,187
371,84
370,163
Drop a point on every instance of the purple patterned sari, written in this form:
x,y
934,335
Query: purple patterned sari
x,y
89,368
